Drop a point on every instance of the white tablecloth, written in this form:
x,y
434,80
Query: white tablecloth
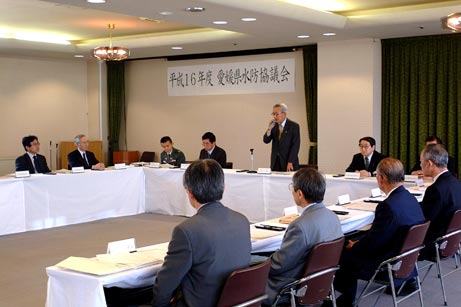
x,y
259,197
44,201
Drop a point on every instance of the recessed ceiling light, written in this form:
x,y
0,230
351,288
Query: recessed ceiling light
x,y
220,22
195,9
177,48
96,1
248,19
303,36
329,34
166,13
79,56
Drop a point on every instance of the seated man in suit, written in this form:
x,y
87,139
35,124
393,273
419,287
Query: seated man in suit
x,y
31,161
393,217
284,135
170,155
211,150
203,250
442,197
316,224
451,165
82,157
367,160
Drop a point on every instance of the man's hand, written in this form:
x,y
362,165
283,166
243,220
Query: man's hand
x,y
290,167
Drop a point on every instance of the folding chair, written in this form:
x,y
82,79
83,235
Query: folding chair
x,y
446,247
317,279
147,156
400,266
246,287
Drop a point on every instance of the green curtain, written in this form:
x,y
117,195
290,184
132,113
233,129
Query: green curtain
x,y
421,93
310,89
116,102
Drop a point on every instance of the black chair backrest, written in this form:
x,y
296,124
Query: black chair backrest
x,y
322,256
452,245
229,165
147,156
245,284
413,238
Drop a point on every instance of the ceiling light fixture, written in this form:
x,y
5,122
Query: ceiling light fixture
x,y
452,22
96,1
111,53
329,34
195,9
177,48
248,19
303,36
220,22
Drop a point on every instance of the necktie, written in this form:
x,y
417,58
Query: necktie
x,y
86,160
37,167
169,158
367,163
280,131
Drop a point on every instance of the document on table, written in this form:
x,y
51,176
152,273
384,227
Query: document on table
x,y
113,263
360,205
261,234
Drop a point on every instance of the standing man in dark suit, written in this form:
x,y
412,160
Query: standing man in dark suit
x,y
284,135
367,160
82,157
32,161
442,197
211,150
204,249
393,217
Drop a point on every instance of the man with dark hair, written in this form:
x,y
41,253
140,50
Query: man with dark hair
x,y
211,150
367,160
82,157
203,250
442,197
451,165
285,137
171,155
31,161
316,224
393,217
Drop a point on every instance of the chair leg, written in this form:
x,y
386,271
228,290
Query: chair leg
x,y
292,298
333,295
420,292
440,276
391,280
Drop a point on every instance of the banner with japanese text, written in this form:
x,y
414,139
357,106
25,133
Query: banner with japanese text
x,y
269,76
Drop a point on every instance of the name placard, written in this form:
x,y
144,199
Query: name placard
x,y
22,174
375,192
352,175
121,246
184,166
264,170
344,199
411,178
120,166
154,164
78,169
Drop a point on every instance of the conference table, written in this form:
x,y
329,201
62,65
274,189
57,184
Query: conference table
x,y
68,288
44,201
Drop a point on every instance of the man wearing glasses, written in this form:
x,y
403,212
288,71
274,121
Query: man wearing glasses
x,y
284,135
367,159
31,161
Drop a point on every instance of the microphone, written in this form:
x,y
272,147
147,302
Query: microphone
x,y
56,152
252,171
51,155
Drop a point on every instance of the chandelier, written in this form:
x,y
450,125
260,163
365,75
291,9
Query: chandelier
x,y
452,22
111,53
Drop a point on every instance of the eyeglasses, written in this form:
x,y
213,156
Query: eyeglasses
x,y
364,146
277,114
34,143
291,188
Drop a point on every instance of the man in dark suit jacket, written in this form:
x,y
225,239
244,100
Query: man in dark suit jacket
x,y
284,135
211,150
367,160
205,248
81,156
31,161
451,166
393,217
441,199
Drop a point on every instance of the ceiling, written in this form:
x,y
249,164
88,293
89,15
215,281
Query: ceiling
x,y
150,28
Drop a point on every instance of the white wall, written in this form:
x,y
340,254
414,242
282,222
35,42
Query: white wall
x,y
238,121
349,100
44,97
